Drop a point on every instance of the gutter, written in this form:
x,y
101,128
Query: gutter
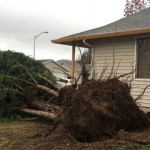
x,y
102,35
89,45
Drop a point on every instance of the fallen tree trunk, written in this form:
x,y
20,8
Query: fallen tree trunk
x,y
57,86
50,91
43,106
44,114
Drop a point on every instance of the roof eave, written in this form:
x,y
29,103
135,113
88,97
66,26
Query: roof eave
x,y
103,35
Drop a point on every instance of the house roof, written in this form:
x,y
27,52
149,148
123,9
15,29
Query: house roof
x,y
135,24
45,61
68,67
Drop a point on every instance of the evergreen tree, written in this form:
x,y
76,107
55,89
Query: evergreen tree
x,y
16,86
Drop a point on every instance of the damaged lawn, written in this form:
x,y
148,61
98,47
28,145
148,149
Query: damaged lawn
x,y
32,135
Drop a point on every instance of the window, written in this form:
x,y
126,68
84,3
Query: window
x,y
143,57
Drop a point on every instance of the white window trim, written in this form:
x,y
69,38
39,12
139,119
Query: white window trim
x,y
135,60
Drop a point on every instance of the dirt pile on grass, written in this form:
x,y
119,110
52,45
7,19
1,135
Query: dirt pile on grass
x,y
100,108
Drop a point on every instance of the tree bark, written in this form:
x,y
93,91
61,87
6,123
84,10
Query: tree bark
x,y
43,106
57,86
50,91
44,114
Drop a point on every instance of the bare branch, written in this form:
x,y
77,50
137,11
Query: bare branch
x,y
104,70
53,92
58,87
123,75
142,93
39,113
117,68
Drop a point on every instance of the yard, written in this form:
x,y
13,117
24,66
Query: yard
x,y
37,135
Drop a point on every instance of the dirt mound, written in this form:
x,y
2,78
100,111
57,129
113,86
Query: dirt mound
x,y
100,108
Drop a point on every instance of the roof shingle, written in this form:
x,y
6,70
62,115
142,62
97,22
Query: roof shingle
x,y
136,22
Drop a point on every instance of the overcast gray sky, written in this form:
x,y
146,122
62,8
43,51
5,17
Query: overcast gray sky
x,y
21,20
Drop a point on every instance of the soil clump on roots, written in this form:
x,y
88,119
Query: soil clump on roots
x,y
101,108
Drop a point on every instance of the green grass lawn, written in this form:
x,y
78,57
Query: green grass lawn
x,y
23,135
33,135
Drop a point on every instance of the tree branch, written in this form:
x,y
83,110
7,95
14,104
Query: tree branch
x,y
142,93
58,87
39,113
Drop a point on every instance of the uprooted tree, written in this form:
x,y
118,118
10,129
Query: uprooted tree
x,y
17,86
97,108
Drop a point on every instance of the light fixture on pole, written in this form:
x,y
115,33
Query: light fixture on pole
x,y
34,43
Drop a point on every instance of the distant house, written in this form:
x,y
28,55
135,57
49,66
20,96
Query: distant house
x,y
57,69
64,65
78,69
124,43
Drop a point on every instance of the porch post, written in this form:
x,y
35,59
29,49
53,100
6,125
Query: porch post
x,y
73,64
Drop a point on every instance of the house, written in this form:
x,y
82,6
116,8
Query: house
x,y
124,44
65,65
58,70
78,69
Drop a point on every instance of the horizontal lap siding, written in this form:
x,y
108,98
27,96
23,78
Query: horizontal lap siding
x,y
137,89
123,56
124,62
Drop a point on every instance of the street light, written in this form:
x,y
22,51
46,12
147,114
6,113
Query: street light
x,y
34,43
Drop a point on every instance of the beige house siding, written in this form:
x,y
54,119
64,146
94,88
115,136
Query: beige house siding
x,y
123,50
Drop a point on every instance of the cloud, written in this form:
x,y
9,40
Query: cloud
x,y
22,20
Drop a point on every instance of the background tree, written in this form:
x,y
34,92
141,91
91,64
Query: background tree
x,y
87,55
84,61
134,6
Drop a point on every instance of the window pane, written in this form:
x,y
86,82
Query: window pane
x,y
143,58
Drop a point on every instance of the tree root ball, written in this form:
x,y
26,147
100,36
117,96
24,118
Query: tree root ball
x,y
100,108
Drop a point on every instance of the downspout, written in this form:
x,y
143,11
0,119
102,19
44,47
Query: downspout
x,y
91,46
87,44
